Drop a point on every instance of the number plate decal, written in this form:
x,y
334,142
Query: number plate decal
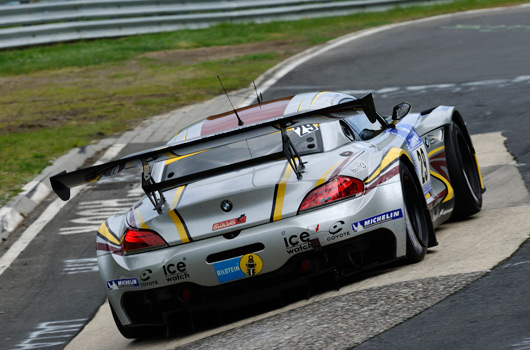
x,y
421,160
304,129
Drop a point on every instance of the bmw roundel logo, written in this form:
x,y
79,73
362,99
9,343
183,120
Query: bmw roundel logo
x,y
427,143
226,205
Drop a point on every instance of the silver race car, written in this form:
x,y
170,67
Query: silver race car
x,y
275,202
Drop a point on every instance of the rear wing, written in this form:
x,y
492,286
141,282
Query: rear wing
x,y
62,183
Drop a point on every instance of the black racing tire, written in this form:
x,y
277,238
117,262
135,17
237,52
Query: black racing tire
x,y
136,332
419,226
463,173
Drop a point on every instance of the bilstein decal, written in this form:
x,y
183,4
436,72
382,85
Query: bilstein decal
x,y
251,264
237,268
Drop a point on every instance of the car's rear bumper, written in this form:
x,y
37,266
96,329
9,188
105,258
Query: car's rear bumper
x,y
303,275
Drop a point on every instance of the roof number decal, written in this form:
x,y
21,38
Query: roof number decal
x,y
304,129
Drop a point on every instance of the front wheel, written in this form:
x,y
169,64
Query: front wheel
x,y
418,221
463,172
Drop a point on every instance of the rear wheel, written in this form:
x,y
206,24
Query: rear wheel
x,y
463,172
418,221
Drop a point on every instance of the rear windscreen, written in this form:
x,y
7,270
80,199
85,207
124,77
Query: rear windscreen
x,y
306,139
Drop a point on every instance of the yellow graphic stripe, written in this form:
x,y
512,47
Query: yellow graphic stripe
x,y
97,178
179,225
450,191
178,133
436,150
176,198
169,161
300,107
316,97
141,220
323,178
104,231
280,194
479,173
181,229
388,159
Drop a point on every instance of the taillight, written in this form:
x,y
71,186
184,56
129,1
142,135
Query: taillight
x,y
139,241
337,188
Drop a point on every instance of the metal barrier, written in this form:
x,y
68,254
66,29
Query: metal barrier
x,y
51,21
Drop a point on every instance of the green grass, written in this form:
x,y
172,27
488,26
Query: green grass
x,y
54,98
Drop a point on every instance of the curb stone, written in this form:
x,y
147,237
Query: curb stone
x,y
155,129
34,192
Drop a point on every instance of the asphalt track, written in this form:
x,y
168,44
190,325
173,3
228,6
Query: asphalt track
x,y
478,62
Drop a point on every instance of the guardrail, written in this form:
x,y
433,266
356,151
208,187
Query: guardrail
x,y
51,21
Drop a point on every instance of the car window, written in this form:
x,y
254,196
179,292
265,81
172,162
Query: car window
x,y
347,131
306,139
363,128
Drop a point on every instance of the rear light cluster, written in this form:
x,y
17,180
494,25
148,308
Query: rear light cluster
x,y
337,188
139,241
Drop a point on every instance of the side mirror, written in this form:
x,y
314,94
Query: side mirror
x,y
401,110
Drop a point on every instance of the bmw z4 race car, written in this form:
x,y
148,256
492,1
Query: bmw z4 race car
x,y
271,203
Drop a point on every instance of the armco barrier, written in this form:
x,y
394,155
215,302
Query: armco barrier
x,y
43,22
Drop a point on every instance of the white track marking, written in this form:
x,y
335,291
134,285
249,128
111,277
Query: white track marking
x,y
32,231
111,153
75,266
49,213
461,87
522,345
91,214
466,87
50,334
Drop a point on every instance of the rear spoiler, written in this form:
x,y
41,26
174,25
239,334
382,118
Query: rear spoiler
x,y
62,182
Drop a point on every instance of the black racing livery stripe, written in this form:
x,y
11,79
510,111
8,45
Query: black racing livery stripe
x,y
183,224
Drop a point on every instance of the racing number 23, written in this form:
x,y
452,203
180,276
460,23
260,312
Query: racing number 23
x,y
422,165
305,129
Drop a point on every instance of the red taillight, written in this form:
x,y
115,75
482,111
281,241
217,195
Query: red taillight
x,y
337,188
138,241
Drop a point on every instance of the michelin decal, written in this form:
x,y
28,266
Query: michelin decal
x,y
376,220
122,283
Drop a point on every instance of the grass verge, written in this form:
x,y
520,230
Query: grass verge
x,y
54,98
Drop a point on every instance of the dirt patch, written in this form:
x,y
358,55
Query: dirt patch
x,y
204,54
126,90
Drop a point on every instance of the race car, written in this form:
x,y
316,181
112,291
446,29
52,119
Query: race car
x,y
276,202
